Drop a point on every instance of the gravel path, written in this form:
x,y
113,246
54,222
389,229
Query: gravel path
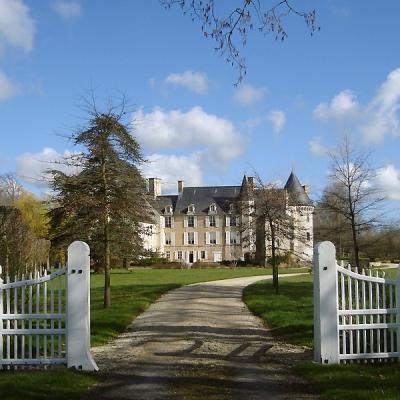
x,y
199,341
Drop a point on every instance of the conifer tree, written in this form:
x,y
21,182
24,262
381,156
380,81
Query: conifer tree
x,y
105,201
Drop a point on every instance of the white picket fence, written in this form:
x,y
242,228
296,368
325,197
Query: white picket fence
x,y
45,317
356,313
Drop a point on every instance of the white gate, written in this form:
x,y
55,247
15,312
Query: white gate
x,y
45,319
356,314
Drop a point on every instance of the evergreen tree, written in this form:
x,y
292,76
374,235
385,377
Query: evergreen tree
x,y
105,202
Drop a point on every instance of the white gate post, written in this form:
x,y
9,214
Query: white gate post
x,y
78,308
326,337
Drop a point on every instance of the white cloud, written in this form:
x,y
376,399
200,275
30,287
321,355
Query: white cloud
x,y
343,105
388,181
32,167
248,95
67,9
317,147
7,88
277,119
171,168
195,81
382,112
376,119
195,129
17,27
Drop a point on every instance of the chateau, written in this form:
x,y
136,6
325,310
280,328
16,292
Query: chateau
x,y
205,224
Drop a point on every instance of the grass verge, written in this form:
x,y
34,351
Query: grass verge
x,y
290,316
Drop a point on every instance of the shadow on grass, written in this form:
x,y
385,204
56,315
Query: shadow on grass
x,y
355,381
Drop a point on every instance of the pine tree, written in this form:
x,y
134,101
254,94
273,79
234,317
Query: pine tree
x,y
105,201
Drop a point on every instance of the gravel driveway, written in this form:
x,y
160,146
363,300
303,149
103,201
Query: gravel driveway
x,y
199,342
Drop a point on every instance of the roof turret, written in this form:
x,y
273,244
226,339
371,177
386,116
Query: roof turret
x,y
297,193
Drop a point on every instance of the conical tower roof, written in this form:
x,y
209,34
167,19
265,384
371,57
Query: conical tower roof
x,y
297,194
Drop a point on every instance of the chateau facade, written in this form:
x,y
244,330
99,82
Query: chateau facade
x,y
205,224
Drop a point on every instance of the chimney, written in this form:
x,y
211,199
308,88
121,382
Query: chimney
x,y
155,187
306,189
180,187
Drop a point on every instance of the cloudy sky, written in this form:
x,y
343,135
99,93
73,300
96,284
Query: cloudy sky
x,y
298,98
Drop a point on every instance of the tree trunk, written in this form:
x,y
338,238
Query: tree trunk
x,y
355,243
275,282
107,274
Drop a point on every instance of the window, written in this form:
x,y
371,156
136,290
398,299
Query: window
x,y
233,221
203,255
234,237
168,255
308,236
191,208
179,255
213,237
168,238
308,217
212,220
168,210
277,242
168,222
191,221
231,208
190,237
213,208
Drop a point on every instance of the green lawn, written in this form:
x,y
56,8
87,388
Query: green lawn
x,y
131,293
290,316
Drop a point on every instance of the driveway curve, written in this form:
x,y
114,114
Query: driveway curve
x,y
199,342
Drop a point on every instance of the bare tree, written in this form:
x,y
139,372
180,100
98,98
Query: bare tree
x,y
271,220
230,25
10,189
351,193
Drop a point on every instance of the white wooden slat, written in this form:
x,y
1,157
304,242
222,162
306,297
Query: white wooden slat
x,y
8,324
378,318
30,305
385,319
371,318
369,356
37,312
22,315
357,298
350,307
59,311
34,281
367,311
364,305
374,326
33,361
15,322
391,303
45,312
52,320
343,307
34,331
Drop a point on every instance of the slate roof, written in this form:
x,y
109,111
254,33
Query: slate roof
x,y
297,194
202,198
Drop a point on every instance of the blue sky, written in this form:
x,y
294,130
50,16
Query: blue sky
x,y
298,98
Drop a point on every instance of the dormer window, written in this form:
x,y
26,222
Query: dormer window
x,y
191,208
231,208
213,208
168,210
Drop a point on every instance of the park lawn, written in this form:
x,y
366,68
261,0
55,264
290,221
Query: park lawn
x,y
131,293
290,317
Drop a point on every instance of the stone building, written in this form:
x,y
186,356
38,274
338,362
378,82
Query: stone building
x,y
206,223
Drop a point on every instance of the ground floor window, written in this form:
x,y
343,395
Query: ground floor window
x,y
203,255
168,255
179,255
